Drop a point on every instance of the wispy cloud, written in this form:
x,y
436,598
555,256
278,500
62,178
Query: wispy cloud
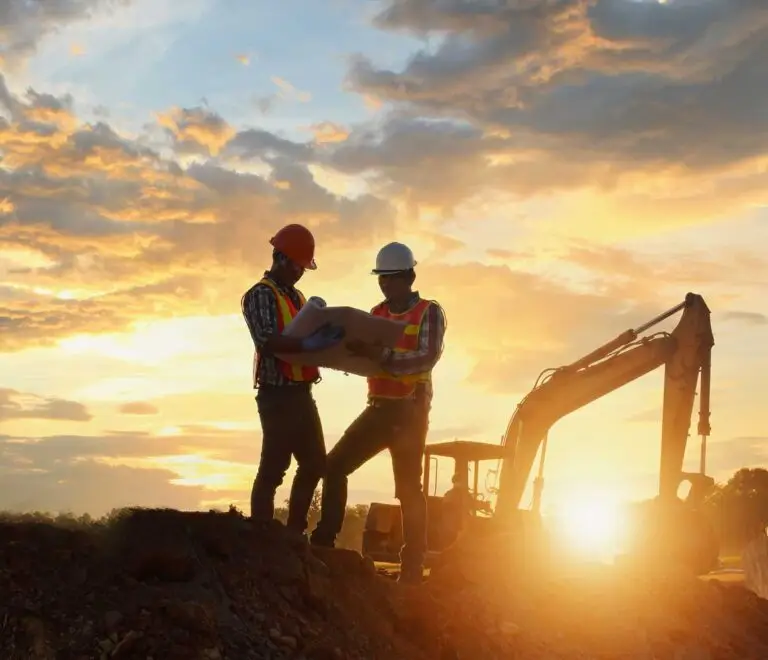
x,y
18,405
289,92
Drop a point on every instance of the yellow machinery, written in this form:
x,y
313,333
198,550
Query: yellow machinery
x,y
665,528
383,536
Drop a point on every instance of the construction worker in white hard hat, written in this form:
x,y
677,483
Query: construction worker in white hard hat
x,y
397,414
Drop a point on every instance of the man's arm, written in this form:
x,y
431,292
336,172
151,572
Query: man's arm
x,y
425,357
260,311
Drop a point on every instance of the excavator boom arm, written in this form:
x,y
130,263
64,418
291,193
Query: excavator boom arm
x,y
683,352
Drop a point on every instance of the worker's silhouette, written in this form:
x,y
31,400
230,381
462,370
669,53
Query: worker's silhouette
x,y
458,505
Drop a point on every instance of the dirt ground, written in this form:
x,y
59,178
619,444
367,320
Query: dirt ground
x,y
166,585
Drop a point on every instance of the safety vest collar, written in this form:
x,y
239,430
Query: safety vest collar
x,y
414,300
287,290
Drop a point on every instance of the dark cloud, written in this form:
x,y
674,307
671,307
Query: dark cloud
x,y
583,94
18,405
95,488
24,23
138,408
434,163
217,444
257,143
82,473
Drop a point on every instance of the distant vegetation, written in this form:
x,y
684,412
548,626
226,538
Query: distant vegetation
x,y
738,508
351,533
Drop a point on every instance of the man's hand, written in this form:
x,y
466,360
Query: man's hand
x,y
326,336
364,349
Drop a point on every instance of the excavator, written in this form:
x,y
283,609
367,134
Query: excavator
x,y
667,528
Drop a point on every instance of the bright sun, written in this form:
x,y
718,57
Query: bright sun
x,y
590,526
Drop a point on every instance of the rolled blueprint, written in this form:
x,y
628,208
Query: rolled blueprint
x,y
359,325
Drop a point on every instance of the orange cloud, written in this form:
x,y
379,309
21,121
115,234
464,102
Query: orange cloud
x,y
197,127
138,408
327,131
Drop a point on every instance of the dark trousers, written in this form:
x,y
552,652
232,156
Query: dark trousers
x,y
401,427
291,427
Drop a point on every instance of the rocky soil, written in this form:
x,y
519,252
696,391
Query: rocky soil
x,y
166,585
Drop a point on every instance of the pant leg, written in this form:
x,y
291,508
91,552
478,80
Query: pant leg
x,y
364,438
275,453
407,450
309,451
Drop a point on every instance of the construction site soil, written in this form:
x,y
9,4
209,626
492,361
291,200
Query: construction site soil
x,y
167,585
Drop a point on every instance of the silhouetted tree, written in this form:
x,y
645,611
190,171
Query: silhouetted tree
x,y
739,508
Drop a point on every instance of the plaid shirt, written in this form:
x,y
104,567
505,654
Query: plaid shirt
x,y
426,356
259,307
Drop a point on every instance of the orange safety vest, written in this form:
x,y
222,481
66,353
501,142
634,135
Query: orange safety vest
x,y
286,311
401,386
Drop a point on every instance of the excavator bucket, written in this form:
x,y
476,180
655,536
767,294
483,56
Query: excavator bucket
x,y
754,560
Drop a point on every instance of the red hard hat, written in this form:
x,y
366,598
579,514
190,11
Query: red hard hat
x,y
297,243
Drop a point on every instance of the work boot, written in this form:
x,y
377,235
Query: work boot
x,y
411,575
295,535
262,527
319,541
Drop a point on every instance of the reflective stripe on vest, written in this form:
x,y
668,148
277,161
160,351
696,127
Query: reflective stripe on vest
x,y
390,386
286,311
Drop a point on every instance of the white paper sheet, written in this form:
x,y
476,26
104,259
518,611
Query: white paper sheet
x,y
359,325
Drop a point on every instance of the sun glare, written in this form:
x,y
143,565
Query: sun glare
x,y
591,526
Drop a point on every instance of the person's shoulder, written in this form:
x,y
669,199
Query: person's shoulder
x,y
261,288
378,305
432,304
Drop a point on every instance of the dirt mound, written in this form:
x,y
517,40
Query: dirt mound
x,y
167,585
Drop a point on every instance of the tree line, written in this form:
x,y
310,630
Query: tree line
x,y
737,509
351,535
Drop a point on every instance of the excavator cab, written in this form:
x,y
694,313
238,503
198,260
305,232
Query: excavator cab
x,y
383,536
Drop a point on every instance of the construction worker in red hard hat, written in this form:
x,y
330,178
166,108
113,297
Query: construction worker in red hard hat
x,y
397,414
290,422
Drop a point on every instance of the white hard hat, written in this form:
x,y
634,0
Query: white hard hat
x,y
394,258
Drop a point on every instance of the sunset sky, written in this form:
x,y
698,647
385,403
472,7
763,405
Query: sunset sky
x,y
563,170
